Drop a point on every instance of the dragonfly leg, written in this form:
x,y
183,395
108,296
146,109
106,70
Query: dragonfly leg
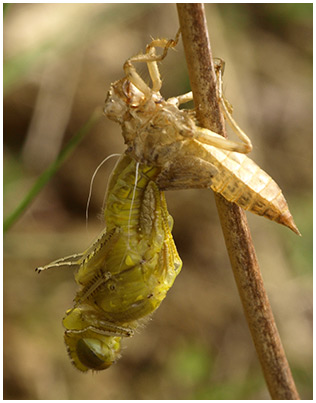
x,y
246,145
151,58
181,99
98,280
211,138
94,257
79,320
72,261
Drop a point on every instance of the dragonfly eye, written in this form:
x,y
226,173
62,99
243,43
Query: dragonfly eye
x,y
88,356
90,350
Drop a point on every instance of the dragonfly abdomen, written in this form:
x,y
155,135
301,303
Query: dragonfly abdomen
x,y
125,193
243,182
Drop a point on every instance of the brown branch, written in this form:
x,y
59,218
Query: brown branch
x,y
233,220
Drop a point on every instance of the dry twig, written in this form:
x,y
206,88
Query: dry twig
x,y
234,224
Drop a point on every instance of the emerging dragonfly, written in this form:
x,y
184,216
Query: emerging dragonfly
x,y
126,273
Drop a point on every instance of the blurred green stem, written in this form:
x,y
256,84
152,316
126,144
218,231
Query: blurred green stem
x,y
5,8
51,170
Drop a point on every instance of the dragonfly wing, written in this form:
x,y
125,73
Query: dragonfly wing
x,y
190,172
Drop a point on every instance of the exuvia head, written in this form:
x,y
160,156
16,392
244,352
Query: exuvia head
x,y
122,96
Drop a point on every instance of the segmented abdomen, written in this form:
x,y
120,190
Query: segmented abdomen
x,y
243,182
124,196
143,263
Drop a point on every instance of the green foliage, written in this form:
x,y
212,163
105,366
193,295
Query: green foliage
x,y
45,177
300,251
194,368
190,364
5,8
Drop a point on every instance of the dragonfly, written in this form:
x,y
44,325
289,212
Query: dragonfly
x,y
126,273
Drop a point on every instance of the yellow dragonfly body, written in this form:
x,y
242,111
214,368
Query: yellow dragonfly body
x,y
126,273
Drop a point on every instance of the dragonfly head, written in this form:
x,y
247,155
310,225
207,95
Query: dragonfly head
x,y
87,347
122,97
116,107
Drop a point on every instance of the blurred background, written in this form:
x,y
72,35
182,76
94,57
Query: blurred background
x,y
59,61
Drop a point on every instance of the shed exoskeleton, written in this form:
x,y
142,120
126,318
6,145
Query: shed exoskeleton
x,y
158,133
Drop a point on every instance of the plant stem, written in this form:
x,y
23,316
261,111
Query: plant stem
x,y
233,220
